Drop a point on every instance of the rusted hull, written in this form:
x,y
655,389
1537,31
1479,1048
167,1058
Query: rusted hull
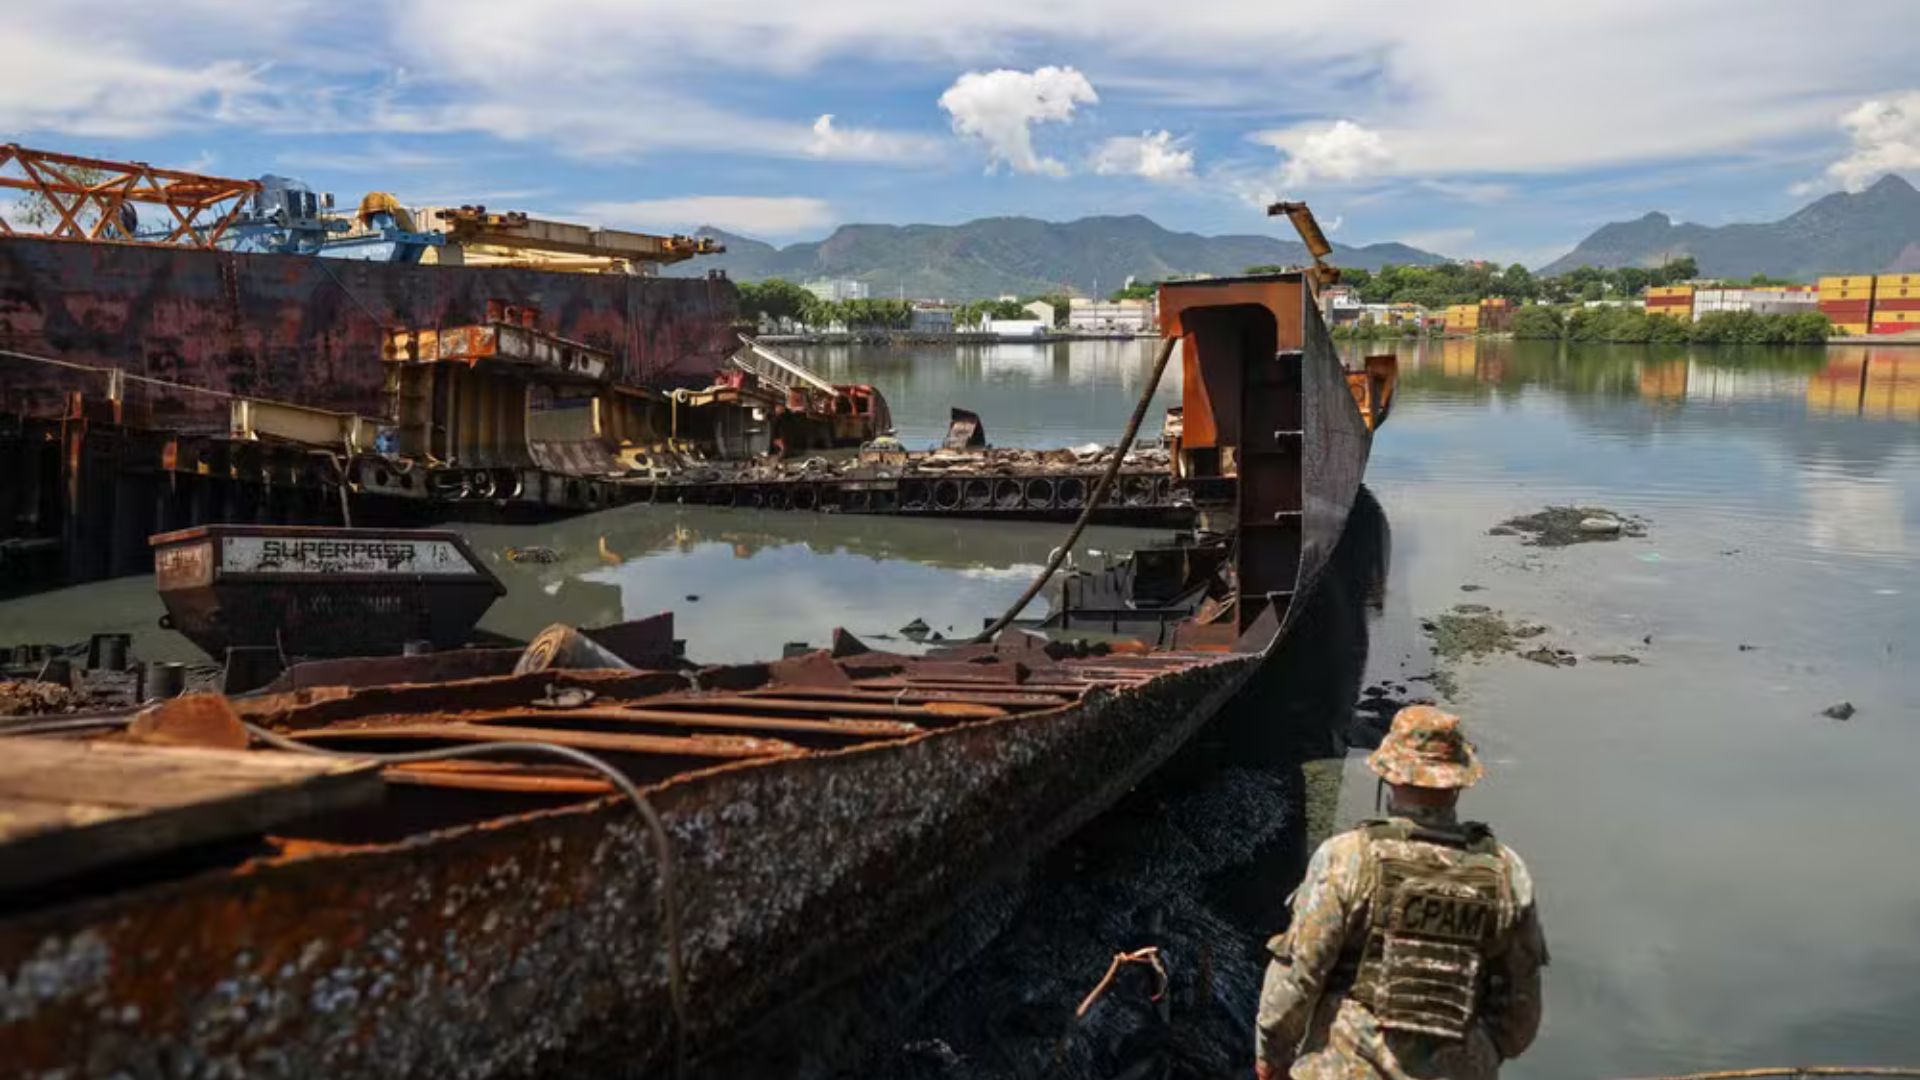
x,y
862,798
309,330
533,942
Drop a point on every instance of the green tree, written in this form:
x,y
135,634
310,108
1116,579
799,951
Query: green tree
x,y
774,298
1539,321
38,212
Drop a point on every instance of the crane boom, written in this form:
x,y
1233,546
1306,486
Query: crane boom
x,y
476,227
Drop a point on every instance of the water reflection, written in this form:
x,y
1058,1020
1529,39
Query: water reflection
x,y
743,583
1055,394
1870,382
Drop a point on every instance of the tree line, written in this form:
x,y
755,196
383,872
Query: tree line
x,y
1627,325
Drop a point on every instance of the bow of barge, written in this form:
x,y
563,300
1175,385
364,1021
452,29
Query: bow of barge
x,y
504,918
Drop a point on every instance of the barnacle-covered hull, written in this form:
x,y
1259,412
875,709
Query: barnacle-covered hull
x,y
821,810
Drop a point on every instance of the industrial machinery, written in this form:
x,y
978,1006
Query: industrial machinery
x,y
480,237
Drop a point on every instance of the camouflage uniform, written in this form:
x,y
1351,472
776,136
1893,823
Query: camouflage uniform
x,y
1319,1009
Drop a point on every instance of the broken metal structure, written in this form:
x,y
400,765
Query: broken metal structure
x,y
501,918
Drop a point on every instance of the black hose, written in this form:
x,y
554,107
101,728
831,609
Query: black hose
x,y
1094,498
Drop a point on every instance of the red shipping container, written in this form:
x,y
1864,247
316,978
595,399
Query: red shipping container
x,y
1846,307
1896,328
1898,304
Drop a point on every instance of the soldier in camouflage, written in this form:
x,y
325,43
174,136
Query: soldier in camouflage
x,y
1415,951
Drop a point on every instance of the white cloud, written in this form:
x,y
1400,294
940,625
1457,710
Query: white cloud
x,y
1340,151
866,144
1000,108
1155,155
1442,241
1469,190
374,158
756,215
53,82
1886,138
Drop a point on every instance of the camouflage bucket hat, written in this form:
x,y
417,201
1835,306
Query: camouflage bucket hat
x,y
1426,749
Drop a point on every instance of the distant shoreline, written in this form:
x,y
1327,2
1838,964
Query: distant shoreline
x,y
910,337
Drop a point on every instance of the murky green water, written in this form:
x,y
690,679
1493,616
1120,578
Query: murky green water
x,y
1727,877
1725,874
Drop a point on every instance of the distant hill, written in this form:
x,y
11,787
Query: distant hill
x,y
997,256
1874,231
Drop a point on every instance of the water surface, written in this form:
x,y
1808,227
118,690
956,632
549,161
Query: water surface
x,y
1727,877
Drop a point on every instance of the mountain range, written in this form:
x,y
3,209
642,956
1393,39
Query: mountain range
x,y
1872,231
1020,256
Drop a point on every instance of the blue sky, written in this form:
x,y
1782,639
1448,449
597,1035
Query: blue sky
x,y
1499,130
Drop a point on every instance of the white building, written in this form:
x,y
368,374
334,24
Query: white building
x,y
1039,309
838,289
1088,315
1758,301
1018,328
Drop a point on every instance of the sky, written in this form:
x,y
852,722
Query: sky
x,y
1502,130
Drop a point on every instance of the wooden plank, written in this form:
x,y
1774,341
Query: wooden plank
x,y
68,806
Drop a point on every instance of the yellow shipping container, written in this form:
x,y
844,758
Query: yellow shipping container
x,y
1850,329
1896,316
1853,281
1848,294
1883,291
1884,280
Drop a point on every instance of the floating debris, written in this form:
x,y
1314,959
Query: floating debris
x,y
1550,656
1842,711
1473,630
532,554
32,697
1614,658
1559,526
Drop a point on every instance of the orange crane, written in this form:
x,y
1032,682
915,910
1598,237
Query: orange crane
x,y
95,199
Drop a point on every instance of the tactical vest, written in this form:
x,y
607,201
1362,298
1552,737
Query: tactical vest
x,y
1440,904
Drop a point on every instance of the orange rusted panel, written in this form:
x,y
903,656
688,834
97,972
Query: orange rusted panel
x,y
1210,423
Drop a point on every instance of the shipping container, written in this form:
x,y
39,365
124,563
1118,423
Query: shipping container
x,y
1896,292
1884,280
1852,281
1850,329
1911,303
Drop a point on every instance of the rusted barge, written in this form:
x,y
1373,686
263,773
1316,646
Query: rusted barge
x,y
504,918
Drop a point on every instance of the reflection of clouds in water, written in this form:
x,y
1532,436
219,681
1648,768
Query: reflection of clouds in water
x,y
749,608
1853,515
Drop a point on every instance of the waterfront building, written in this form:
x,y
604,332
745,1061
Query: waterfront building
x,y
836,290
1089,315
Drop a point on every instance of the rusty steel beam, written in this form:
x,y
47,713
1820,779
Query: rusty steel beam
x,y
718,747
933,710
699,720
